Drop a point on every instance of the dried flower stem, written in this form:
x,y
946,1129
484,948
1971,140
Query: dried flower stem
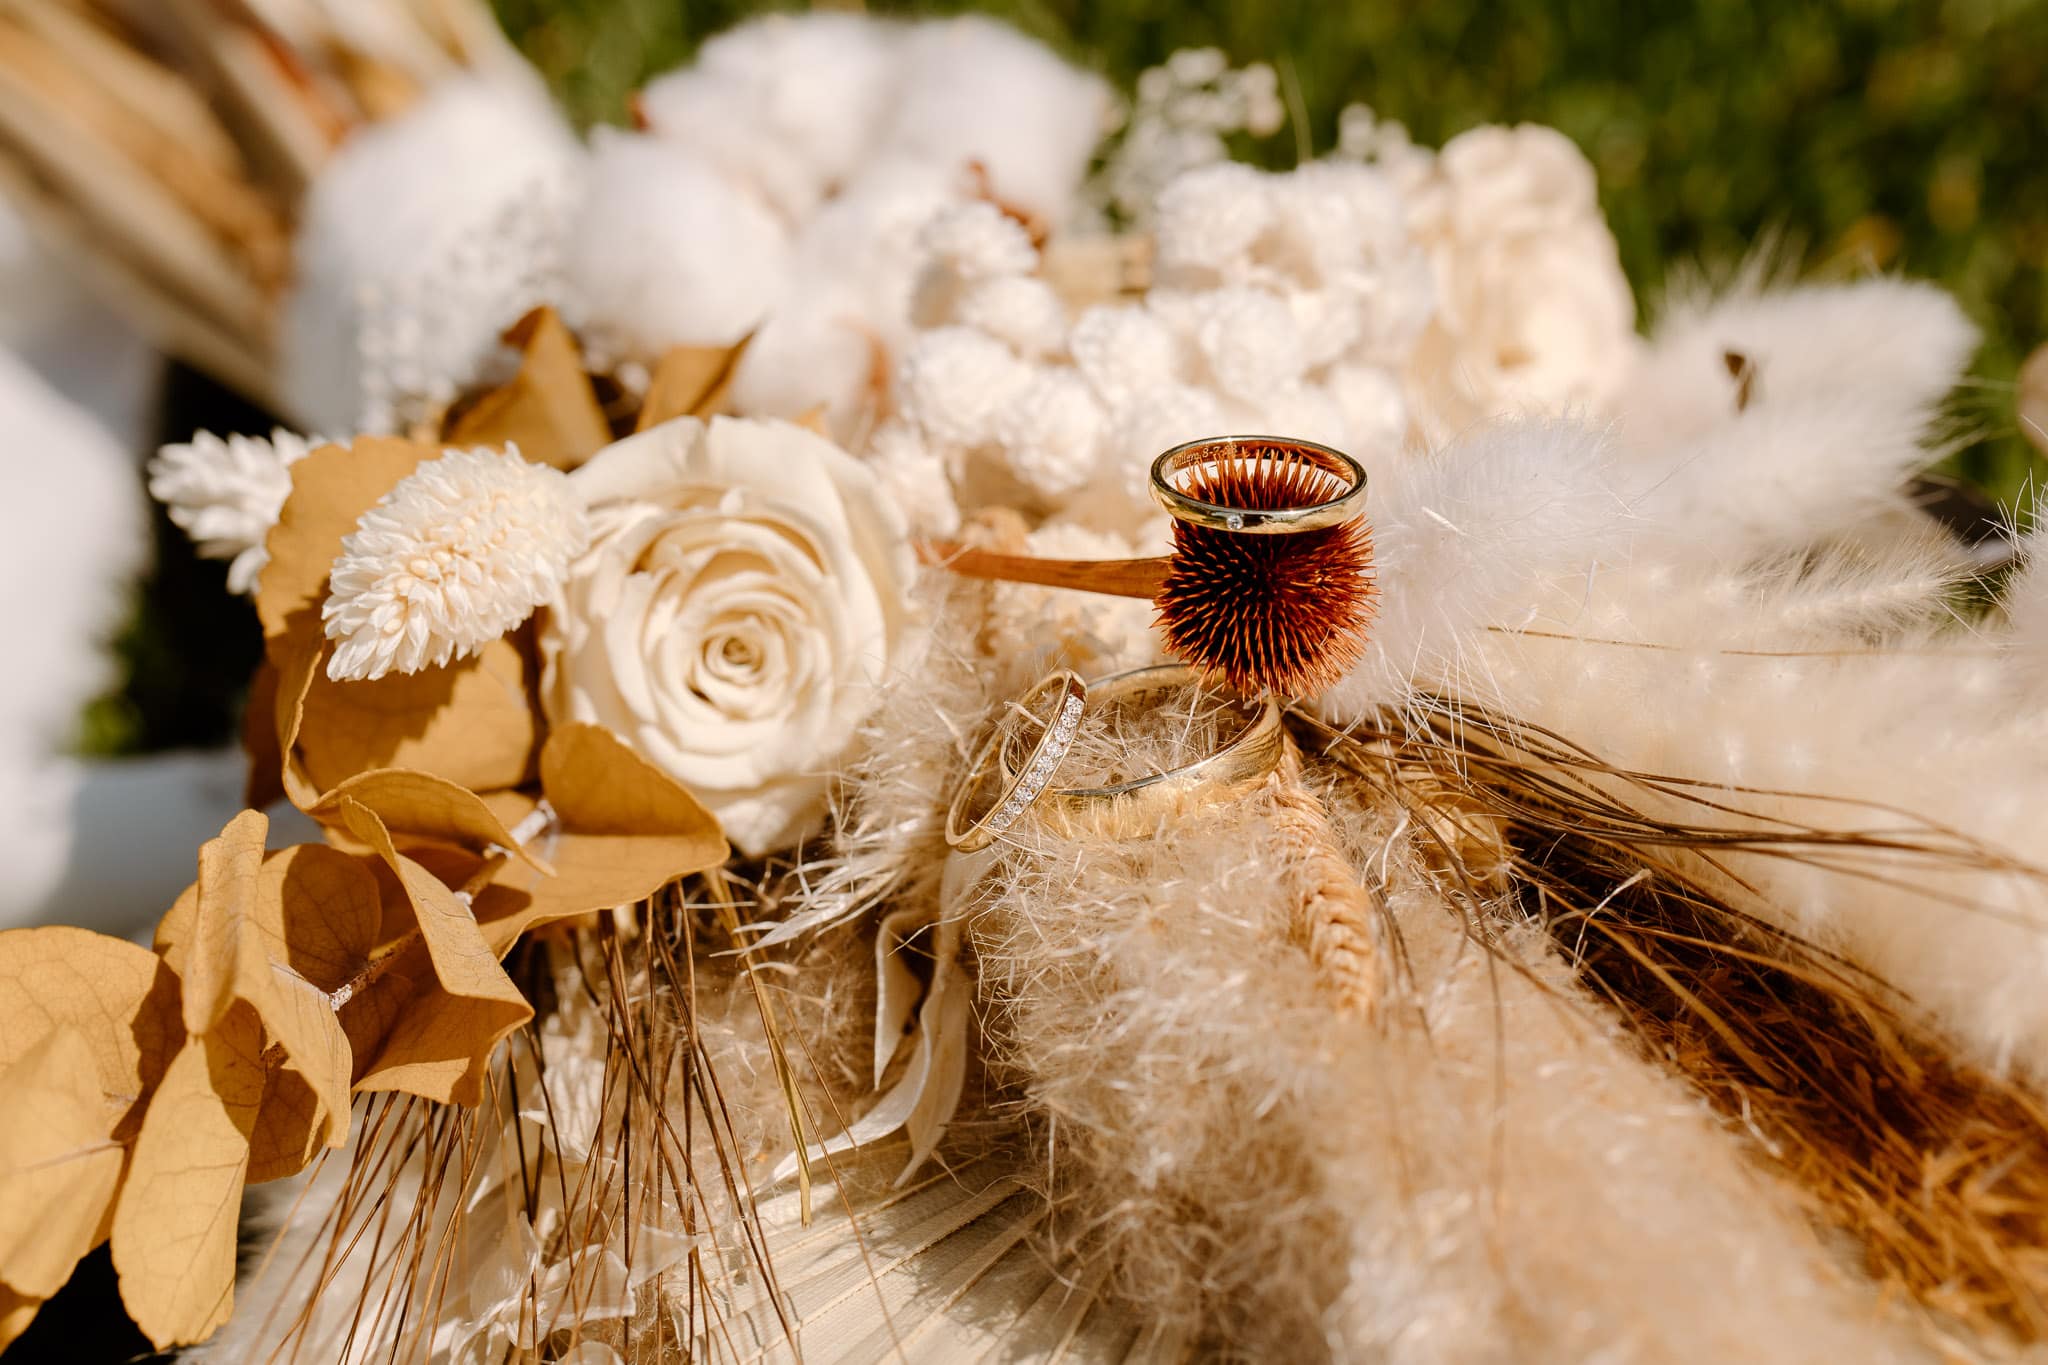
x,y
1114,577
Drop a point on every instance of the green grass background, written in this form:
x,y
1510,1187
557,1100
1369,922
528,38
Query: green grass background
x,y
1907,135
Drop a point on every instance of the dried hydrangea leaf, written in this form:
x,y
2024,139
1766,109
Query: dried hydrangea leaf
x,y
331,488
244,912
626,829
175,1224
17,1311
416,805
548,409
474,723
58,1167
690,381
460,1001
121,999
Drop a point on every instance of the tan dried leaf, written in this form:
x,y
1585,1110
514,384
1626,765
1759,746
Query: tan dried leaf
x,y
475,722
460,1002
690,381
331,488
17,1311
120,998
244,912
626,830
226,957
174,1227
420,806
58,1167
548,410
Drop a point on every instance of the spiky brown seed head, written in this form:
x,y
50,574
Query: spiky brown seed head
x,y
1282,614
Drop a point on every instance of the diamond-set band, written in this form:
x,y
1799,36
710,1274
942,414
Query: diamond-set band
x,y
1053,743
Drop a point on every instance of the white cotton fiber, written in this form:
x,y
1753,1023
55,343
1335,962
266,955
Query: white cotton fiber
x,y
978,93
665,251
420,242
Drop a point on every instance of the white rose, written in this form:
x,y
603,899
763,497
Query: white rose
x,y
1533,310
745,589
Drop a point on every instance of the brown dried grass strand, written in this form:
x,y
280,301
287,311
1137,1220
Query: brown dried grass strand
x,y
1337,913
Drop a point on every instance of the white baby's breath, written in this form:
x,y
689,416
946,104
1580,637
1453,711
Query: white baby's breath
x,y
225,493
459,552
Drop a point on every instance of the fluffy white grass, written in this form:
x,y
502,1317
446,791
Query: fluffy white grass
x,y
1497,530
1487,1174
1900,343
1837,406
1807,681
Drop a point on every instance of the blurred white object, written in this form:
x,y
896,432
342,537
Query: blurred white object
x,y
423,240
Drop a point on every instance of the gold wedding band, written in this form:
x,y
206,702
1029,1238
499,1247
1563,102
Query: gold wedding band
x,y
1139,807
1243,452
1019,792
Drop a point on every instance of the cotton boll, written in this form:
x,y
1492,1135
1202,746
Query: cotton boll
x,y
1208,220
420,242
976,92
955,384
1782,474
1903,343
665,252
1124,351
834,337
1150,423
1477,536
788,104
814,353
1051,434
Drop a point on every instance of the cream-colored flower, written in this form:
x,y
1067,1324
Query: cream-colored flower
x,y
744,590
1533,310
460,551
225,493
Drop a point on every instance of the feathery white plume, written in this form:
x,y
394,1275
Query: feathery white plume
x,y
1479,535
457,553
226,493
1895,343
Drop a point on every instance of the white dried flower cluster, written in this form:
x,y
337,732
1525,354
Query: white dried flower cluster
x,y
1383,298
226,493
1184,112
459,552
1284,303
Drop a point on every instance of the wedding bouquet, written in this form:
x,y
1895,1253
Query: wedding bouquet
x,y
763,910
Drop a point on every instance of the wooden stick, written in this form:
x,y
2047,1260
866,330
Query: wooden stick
x,y
1111,577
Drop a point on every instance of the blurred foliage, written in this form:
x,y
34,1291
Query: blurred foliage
x,y
1894,134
